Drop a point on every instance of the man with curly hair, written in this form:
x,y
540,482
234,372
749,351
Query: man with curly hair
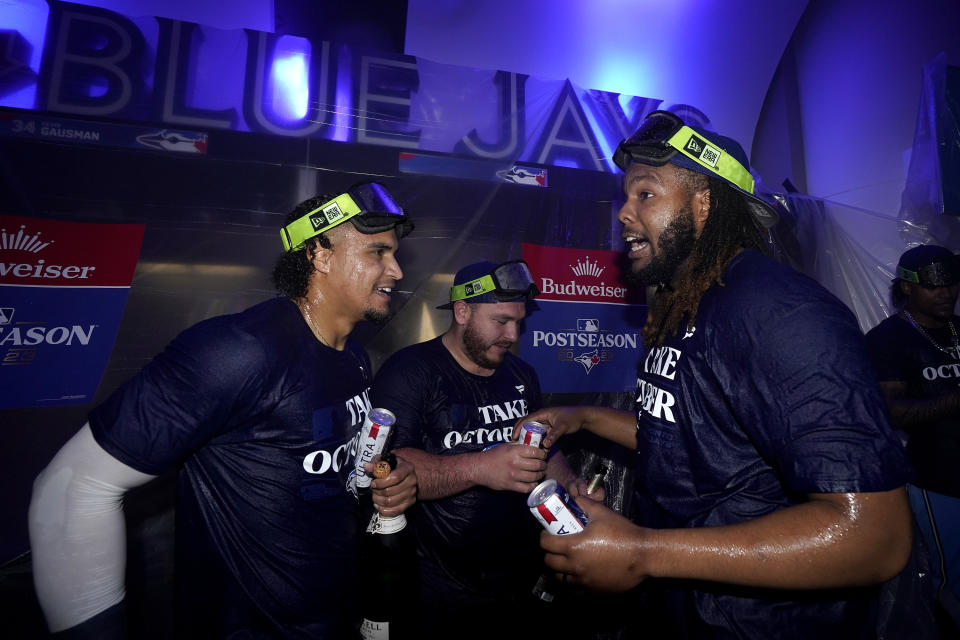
x,y
258,410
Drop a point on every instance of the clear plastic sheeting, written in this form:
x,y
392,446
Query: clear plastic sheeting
x,y
931,197
852,252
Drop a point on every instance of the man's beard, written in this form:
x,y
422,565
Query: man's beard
x,y
376,317
676,244
475,348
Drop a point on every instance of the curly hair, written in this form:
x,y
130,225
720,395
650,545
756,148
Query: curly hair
x,y
291,274
730,227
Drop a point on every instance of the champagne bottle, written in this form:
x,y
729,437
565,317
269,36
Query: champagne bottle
x,y
390,576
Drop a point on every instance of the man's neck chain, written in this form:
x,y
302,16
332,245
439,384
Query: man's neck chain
x,y
305,308
953,335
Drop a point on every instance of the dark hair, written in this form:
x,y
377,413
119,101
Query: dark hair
x,y
292,272
730,227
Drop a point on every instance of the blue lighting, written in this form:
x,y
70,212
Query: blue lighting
x,y
599,133
560,161
289,78
98,87
343,105
624,74
629,104
29,19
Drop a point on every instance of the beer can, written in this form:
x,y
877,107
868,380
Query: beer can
x,y
532,432
373,436
555,509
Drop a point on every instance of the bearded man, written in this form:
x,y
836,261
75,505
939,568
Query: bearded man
x,y
456,398
772,482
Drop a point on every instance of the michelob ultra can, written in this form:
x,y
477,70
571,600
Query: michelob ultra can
x,y
532,432
373,436
555,509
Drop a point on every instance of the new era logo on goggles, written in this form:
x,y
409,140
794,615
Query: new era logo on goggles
x,y
663,135
370,201
510,280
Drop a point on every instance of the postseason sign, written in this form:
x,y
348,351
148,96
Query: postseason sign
x,y
63,287
585,337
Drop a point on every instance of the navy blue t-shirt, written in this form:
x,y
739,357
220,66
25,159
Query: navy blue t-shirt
x,y
478,543
261,416
769,397
902,354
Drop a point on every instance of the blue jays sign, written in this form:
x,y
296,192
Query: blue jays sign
x,y
98,64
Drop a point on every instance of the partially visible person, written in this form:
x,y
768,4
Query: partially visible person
x,y
456,398
251,407
915,352
771,482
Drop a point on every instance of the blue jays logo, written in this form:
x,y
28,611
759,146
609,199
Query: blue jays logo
x,y
183,141
589,360
524,175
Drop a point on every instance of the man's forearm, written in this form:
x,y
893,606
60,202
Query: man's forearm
x,y
833,540
441,476
909,414
612,424
559,469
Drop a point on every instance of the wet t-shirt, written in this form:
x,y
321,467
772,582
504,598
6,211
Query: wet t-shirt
x,y
900,353
479,542
261,417
769,397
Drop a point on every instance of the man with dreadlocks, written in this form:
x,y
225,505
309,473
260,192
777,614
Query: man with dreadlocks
x,y
771,480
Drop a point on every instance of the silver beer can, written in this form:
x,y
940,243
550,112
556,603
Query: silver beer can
x,y
531,433
373,437
558,513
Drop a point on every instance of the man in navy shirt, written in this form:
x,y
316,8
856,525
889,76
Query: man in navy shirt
x,y
260,410
774,482
917,357
456,398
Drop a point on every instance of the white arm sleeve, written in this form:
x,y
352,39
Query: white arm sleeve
x,y
77,531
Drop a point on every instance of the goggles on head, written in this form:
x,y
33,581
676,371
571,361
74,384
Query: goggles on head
x,y
510,280
663,135
369,202
935,274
